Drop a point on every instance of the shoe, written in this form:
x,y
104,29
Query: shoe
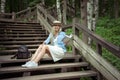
x,y
32,64
24,65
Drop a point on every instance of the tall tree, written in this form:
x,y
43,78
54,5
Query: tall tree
x,y
84,17
58,10
3,6
116,8
64,11
92,15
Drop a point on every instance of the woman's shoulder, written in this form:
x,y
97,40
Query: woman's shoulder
x,y
62,32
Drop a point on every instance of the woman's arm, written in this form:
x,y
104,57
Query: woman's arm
x,y
47,40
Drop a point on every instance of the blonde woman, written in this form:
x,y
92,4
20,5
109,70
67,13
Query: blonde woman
x,y
56,49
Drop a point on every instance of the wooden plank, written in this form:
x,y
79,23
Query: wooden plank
x,y
66,75
19,27
42,67
104,67
16,46
7,59
23,38
109,46
20,42
14,51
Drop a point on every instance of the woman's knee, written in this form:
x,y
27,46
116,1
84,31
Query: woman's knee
x,y
45,47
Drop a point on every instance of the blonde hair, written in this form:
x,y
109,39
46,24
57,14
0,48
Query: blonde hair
x,y
52,34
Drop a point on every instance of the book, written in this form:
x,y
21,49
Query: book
x,y
67,38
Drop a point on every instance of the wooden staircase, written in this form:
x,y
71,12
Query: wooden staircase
x,y
14,34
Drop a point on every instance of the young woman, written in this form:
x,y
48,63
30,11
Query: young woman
x,y
56,49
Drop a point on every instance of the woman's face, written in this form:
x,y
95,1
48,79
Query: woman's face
x,y
56,28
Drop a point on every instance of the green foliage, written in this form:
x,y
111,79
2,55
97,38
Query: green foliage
x,y
109,29
68,32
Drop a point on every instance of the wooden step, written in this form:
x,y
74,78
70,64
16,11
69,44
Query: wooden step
x,y
16,46
13,51
22,32
22,39
23,35
4,21
25,24
56,76
7,58
42,67
20,27
20,42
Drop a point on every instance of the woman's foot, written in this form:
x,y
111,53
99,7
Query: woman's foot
x,y
24,65
32,65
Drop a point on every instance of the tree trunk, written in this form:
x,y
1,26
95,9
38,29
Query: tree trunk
x,y
116,8
3,6
84,18
64,11
58,10
89,14
43,2
92,15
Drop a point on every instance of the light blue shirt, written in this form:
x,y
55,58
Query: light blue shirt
x,y
59,41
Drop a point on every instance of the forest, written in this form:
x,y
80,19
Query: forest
x,y
107,22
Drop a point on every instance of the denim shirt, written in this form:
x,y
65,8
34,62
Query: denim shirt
x,y
60,42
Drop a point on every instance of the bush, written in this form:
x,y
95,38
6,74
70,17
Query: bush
x,y
109,29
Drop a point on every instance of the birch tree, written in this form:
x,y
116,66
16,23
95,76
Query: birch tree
x,y
3,6
58,10
92,15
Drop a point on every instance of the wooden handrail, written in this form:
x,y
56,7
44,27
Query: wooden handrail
x,y
104,67
8,14
102,42
109,46
23,11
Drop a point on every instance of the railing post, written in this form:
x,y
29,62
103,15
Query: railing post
x,y
29,14
37,12
13,16
99,48
75,32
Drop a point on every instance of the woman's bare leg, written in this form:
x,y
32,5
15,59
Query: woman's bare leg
x,y
37,52
43,51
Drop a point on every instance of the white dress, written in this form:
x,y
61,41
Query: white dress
x,y
56,52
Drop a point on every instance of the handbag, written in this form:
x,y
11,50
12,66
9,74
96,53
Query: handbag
x,y
22,53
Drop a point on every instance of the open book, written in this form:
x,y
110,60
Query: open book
x,y
67,38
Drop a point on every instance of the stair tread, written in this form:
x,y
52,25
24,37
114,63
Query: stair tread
x,y
16,46
15,42
22,34
13,50
42,67
7,58
25,38
65,75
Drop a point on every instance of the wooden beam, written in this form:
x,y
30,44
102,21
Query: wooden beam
x,y
104,67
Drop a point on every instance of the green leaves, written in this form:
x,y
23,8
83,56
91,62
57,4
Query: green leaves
x,y
109,29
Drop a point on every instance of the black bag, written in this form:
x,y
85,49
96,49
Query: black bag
x,y
22,53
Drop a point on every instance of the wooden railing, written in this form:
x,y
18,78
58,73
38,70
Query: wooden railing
x,y
27,15
92,56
